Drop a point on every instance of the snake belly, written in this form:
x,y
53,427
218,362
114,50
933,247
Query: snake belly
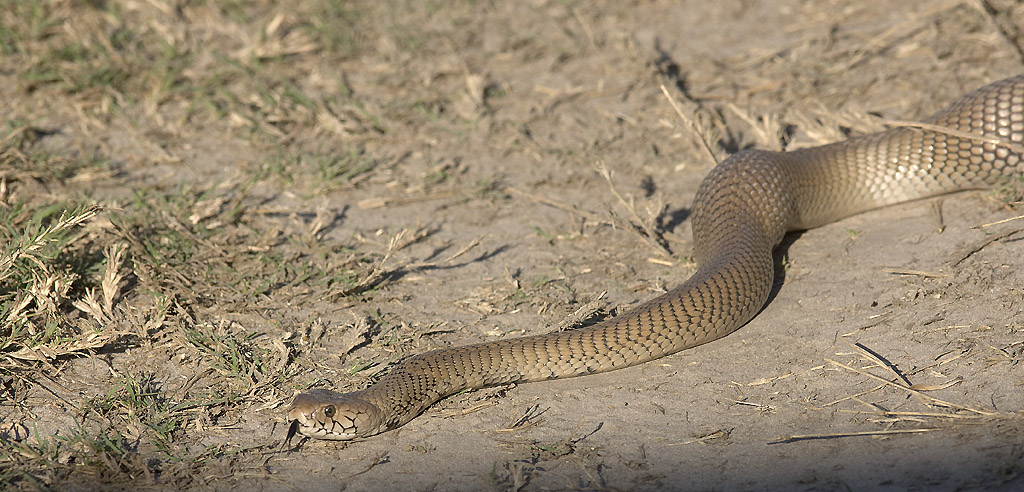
x,y
741,211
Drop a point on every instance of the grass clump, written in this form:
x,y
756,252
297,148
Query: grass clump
x,y
47,280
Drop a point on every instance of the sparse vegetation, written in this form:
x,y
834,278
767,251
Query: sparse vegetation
x,y
95,260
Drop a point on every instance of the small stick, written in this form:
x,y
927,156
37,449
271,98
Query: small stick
x,y
990,224
878,359
982,244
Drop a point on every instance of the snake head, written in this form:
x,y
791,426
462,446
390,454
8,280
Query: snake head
x,y
326,414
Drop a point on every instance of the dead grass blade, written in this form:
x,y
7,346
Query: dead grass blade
x,y
810,437
700,133
959,134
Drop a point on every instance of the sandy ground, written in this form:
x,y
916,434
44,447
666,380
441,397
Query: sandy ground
x,y
525,101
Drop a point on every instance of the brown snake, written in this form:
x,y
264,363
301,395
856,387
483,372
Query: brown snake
x,y
741,211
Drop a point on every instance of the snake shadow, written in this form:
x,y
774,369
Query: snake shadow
x,y
779,258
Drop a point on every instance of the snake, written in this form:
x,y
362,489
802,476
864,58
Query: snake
x,y
741,211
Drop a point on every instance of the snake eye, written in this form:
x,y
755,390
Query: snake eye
x,y
329,411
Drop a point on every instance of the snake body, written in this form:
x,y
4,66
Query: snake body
x,y
741,211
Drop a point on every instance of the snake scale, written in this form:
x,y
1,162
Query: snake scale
x,y
741,211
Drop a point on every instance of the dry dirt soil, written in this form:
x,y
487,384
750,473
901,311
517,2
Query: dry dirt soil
x,y
307,192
